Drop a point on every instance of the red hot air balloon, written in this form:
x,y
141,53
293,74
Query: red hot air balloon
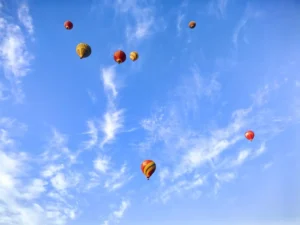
x,y
119,56
249,135
148,167
68,25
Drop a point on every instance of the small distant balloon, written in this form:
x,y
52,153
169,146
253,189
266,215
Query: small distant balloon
x,y
192,24
249,135
119,56
83,50
68,25
148,167
134,56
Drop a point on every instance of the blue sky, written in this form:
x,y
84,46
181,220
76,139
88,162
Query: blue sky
x,y
73,132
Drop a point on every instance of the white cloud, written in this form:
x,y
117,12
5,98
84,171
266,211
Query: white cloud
x,y
163,174
57,149
117,179
101,164
25,18
242,156
59,182
119,213
105,173
14,55
260,97
19,196
93,133
142,15
218,8
35,189
238,29
249,13
108,77
221,178
260,150
113,122
267,165
182,186
225,177
50,170
92,96
4,92
113,118
180,18
116,215
190,149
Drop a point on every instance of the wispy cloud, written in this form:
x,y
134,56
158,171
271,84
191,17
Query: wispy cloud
x,y
102,164
25,18
181,16
267,165
250,13
92,96
117,179
26,197
185,105
113,118
222,178
107,176
218,8
204,151
116,215
241,158
93,134
14,54
143,16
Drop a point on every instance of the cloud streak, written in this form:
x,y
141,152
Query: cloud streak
x,y
116,215
14,54
218,8
22,191
143,16
113,118
200,153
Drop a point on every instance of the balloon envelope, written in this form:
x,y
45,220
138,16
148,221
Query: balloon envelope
x,y
68,25
83,50
119,56
134,56
148,167
192,24
249,135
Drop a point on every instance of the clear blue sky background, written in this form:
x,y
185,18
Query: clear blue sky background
x,y
73,132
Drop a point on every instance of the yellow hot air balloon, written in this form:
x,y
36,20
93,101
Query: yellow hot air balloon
x,y
134,56
83,50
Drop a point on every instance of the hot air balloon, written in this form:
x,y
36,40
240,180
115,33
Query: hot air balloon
x,y
83,50
134,56
148,167
68,25
119,56
192,24
249,135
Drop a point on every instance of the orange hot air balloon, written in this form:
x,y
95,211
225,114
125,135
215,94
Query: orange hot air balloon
x,y
68,25
148,167
249,135
192,24
119,56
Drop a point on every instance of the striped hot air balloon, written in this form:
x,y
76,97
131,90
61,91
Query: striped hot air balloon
x,y
148,167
